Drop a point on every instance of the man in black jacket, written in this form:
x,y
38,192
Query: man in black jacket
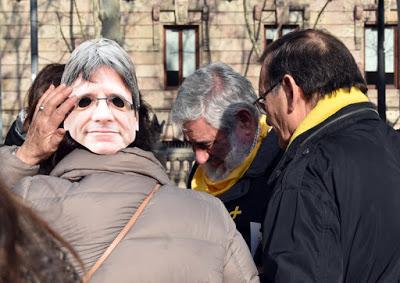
x,y
335,212
234,148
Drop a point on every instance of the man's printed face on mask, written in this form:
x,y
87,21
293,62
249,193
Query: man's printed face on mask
x,y
102,120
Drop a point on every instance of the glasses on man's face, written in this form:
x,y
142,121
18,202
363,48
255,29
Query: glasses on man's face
x,y
113,101
260,101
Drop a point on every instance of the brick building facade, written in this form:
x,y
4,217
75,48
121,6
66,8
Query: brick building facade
x,y
169,39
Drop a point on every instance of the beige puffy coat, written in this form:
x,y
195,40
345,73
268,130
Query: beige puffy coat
x,y
182,235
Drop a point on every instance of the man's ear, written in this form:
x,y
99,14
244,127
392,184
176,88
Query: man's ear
x,y
245,120
292,91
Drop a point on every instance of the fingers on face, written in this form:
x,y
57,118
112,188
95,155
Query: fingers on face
x,y
53,98
56,103
57,96
43,98
66,106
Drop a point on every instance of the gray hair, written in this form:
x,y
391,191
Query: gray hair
x,y
92,54
214,92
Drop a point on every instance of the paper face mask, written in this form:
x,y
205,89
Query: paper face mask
x,y
103,120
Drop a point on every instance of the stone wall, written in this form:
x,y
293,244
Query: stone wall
x,y
223,36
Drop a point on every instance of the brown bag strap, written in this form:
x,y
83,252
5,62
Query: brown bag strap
x,y
120,236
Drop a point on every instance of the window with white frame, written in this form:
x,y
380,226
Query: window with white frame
x,y
371,55
273,32
295,21
181,53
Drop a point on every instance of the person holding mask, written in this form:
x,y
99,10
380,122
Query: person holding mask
x,y
101,181
50,75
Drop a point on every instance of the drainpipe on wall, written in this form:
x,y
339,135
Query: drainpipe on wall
x,y
381,61
34,38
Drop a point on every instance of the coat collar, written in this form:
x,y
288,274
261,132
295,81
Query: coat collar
x,y
327,106
80,163
346,116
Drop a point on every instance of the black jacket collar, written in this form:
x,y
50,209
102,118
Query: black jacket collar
x,y
341,119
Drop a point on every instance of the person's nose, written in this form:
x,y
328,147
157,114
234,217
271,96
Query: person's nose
x,y
201,155
102,112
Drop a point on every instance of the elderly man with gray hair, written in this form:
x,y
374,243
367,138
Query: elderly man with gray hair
x,y
235,149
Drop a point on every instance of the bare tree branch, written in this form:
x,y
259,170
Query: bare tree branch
x,y
95,14
80,21
320,13
249,31
256,37
62,33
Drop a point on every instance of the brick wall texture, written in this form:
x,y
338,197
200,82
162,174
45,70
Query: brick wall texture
x,y
225,30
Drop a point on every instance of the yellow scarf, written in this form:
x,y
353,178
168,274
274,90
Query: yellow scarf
x,y
201,182
327,106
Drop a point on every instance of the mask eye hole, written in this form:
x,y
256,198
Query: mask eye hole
x,y
118,102
85,102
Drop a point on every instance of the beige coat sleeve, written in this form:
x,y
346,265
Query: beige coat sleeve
x,y
12,169
239,265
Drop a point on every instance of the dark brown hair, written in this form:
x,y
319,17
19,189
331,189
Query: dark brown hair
x,y
50,75
318,61
30,251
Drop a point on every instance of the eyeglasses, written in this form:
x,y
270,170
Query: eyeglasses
x,y
116,102
260,101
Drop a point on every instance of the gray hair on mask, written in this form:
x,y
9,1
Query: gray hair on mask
x,y
96,53
214,92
